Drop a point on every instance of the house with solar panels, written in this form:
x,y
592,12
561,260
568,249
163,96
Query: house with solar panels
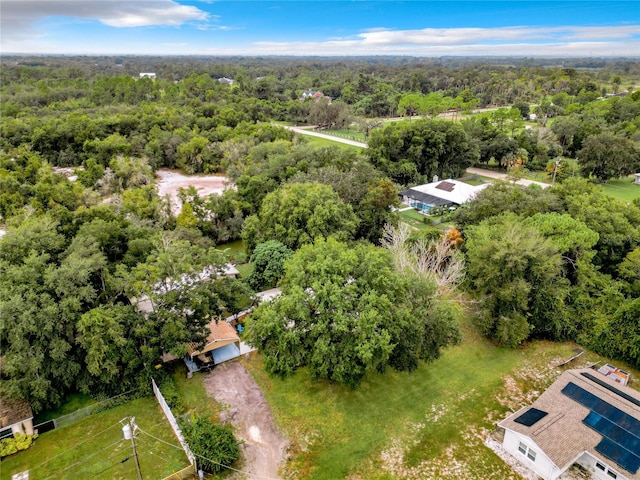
x,y
584,418
444,193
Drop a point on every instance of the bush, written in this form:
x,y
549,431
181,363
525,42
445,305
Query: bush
x,y
215,443
171,395
11,445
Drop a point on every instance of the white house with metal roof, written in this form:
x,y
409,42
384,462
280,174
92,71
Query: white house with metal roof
x,y
583,418
441,193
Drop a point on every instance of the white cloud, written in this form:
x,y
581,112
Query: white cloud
x,y
19,17
517,40
462,36
21,33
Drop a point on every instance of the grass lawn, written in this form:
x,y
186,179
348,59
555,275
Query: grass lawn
x,y
427,424
352,134
236,250
325,142
623,189
95,447
416,220
193,394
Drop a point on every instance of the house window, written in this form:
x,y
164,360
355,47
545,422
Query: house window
x,y
527,451
605,469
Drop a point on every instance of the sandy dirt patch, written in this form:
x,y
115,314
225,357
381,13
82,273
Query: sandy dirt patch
x,y
247,410
170,181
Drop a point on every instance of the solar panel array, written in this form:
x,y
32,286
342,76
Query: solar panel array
x,y
611,388
620,431
446,186
531,417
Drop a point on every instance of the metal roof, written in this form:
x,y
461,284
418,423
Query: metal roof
x,y
425,198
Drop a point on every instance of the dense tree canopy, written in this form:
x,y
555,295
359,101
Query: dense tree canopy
x,y
298,213
345,312
518,274
268,264
411,152
606,156
45,285
77,251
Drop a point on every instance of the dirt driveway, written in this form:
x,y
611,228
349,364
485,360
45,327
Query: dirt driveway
x,y
264,448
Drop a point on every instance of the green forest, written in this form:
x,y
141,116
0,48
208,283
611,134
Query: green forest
x,y
86,232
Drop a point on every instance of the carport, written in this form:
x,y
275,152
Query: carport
x,y
223,343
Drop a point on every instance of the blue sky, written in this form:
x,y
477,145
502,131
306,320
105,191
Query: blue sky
x,y
270,27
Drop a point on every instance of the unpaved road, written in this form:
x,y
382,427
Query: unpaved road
x,y
230,384
306,131
504,176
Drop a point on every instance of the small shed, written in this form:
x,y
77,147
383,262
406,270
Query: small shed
x,y
223,343
15,417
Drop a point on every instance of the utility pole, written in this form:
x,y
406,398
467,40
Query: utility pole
x,y
555,171
129,432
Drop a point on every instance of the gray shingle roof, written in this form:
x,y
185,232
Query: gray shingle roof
x,y
561,434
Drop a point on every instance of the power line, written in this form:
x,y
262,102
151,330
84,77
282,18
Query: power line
x,y
93,437
149,446
84,459
110,467
209,460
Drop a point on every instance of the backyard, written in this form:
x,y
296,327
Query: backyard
x,y
95,448
420,222
623,189
431,423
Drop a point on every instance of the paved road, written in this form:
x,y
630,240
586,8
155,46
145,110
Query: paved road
x,y
307,131
503,176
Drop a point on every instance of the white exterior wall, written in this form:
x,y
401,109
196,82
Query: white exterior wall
x,y
543,466
25,426
589,462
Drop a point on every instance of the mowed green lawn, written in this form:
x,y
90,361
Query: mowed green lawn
x,y
414,219
95,447
427,424
417,220
325,142
623,189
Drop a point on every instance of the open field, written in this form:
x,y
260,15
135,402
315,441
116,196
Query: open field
x,y
95,448
325,142
623,189
427,424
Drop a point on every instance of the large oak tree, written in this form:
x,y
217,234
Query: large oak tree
x,y
345,312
